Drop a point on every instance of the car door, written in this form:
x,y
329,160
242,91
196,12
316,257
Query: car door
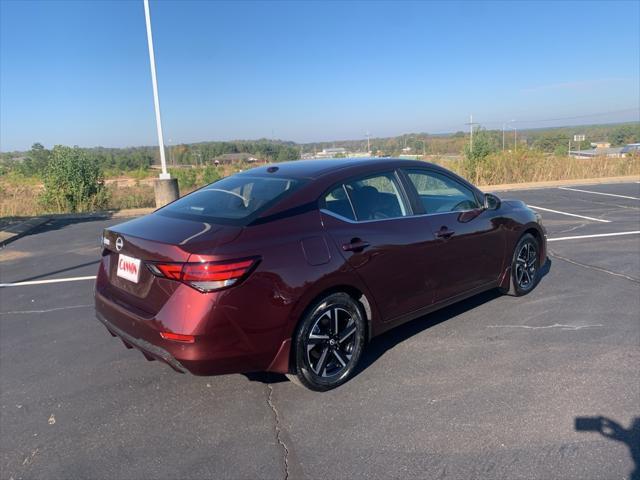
x,y
371,222
470,248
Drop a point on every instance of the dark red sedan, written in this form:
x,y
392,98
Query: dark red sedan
x,y
294,267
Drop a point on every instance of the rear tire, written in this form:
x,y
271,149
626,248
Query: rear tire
x,y
328,343
525,266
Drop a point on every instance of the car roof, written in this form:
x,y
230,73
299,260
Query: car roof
x,y
312,169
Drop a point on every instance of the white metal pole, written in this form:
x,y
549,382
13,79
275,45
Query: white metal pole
x,y
156,101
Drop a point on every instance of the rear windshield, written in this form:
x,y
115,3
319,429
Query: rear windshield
x,y
234,200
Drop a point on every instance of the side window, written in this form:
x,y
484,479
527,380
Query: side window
x,y
439,193
375,198
336,201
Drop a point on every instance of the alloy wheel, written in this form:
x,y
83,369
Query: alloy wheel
x,y
526,265
331,342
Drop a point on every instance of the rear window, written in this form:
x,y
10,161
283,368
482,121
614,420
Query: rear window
x,y
233,200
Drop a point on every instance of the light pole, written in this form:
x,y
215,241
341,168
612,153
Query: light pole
x,y
166,188
515,137
471,125
406,137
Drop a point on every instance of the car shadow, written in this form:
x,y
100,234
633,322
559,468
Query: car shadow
x,y
62,270
612,430
388,340
60,223
265,377
380,344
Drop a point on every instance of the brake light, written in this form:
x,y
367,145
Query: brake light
x,y
205,276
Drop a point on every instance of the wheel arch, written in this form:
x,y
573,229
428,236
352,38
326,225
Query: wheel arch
x,y
285,358
535,230
354,292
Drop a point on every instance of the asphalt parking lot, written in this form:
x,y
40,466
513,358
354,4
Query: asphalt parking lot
x,y
489,388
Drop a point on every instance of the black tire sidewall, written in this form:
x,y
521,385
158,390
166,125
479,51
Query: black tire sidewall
x,y
301,367
515,288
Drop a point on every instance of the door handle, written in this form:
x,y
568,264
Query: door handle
x,y
445,233
356,245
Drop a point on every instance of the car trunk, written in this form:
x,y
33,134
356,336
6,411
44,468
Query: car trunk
x,y
155,238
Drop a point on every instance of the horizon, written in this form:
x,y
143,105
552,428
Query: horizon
x,y
335,141
78,73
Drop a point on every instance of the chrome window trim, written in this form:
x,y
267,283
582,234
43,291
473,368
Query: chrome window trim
x,y
348,220
392,175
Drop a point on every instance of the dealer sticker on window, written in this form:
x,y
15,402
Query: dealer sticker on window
x,y
128,268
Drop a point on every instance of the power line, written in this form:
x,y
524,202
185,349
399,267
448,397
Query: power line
x,y
458,126
576,117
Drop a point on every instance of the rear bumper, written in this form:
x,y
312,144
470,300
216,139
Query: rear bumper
x,y
221,350
150,351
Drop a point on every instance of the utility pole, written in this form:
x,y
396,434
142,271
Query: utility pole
x,y
471,124
515,139
503,125
368,143
166,188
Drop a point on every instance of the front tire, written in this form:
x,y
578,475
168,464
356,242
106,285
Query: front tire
x,y
328,343
525,266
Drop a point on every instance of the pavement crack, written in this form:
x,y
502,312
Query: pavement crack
x,y
278,431
593,267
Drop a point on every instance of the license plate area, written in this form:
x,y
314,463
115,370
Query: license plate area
x,y
128,268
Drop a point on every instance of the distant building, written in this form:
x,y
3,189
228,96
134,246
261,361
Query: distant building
x,y
229,158
631,148
600,144
611,152
331,152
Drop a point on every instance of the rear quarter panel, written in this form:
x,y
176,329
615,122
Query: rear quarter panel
x,y
294,270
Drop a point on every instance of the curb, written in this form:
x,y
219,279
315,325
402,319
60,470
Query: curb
x,y
558,183
14,232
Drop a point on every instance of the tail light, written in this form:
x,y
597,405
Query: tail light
x,y
205,276
178,337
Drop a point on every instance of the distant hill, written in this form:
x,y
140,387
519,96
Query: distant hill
x,y
550,140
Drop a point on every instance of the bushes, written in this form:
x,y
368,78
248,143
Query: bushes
x,y
72,182
187,177
535,166
138,196
484,144
210,174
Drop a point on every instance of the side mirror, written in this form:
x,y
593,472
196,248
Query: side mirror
x,y
491,201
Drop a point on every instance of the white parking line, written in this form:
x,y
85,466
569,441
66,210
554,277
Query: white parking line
x,y
47,310
635,232
598,193
40,282
570,214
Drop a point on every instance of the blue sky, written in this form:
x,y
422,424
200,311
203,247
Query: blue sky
x,y
78,72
